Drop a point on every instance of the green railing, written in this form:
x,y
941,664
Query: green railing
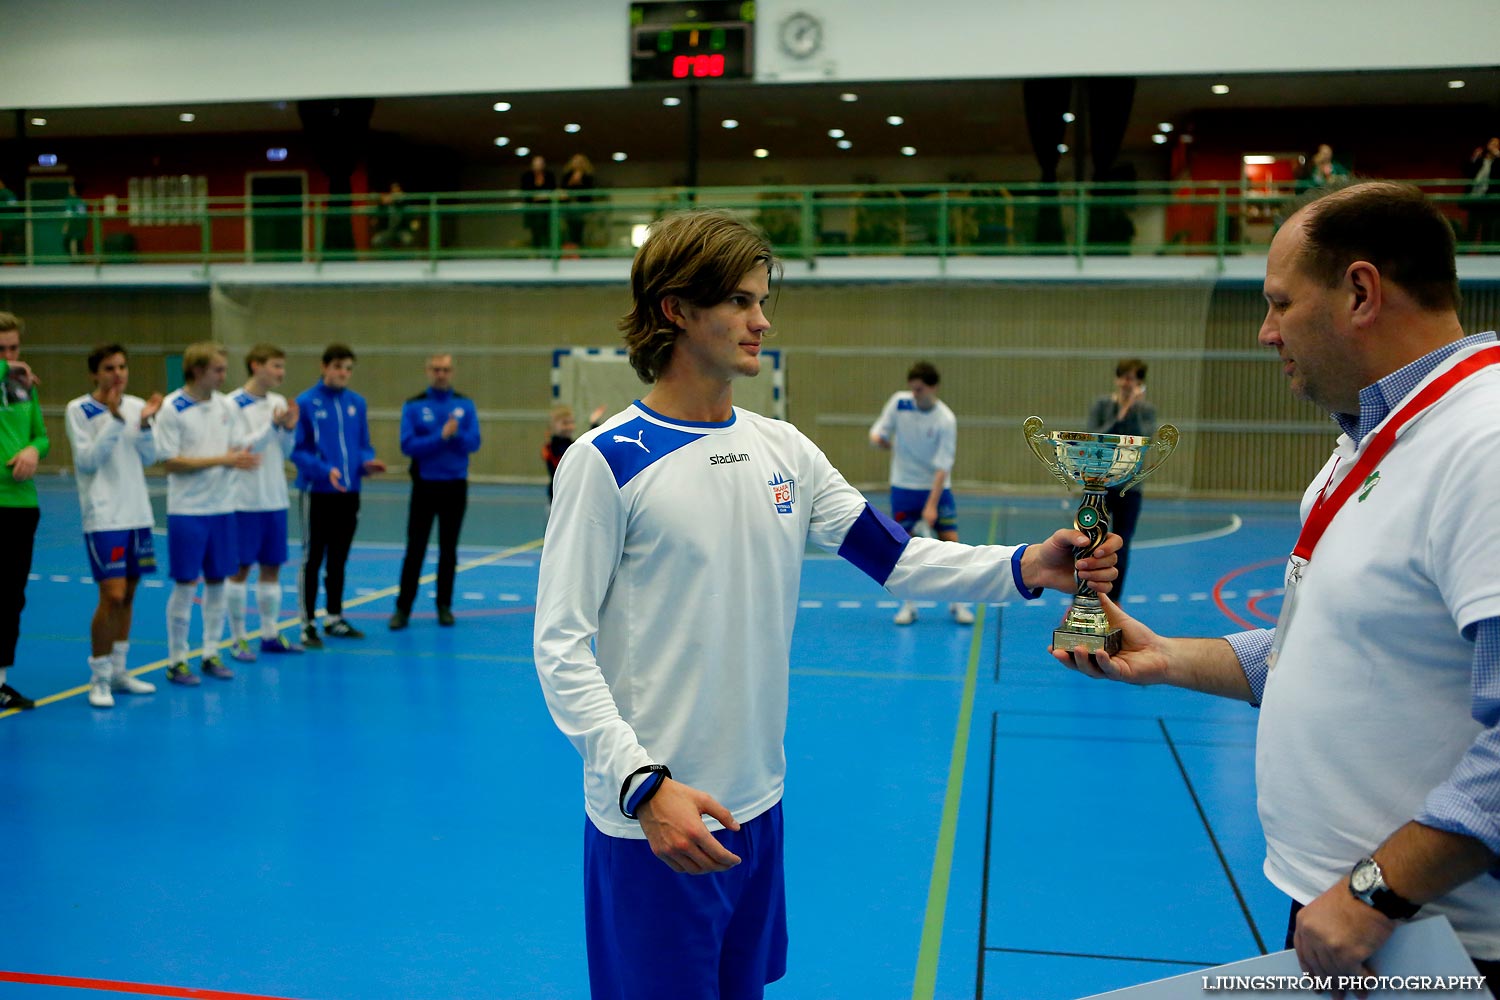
x,y
1205,219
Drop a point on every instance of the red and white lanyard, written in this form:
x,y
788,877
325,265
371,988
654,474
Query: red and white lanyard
x,y
1327,505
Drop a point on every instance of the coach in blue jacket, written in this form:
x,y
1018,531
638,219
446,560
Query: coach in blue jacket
x,y
332,453
439,431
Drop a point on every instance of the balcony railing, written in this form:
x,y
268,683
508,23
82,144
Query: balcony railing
x,y
1198,218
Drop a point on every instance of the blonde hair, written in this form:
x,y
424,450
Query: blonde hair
x,y
697,256
199,356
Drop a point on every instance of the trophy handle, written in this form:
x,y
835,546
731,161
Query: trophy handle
x,y
1036,441
1163,443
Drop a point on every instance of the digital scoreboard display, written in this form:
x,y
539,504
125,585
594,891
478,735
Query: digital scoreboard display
x,y
692,42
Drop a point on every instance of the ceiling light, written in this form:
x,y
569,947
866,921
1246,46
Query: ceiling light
x,y
1069,118
276,154
835,133
848,98
908,150
46,160
619,157
1260,160
1164,126
1455,85
761,154
502,140
1062,147
1159,139
730,123
671,102
895,120
844,144
1220,88
502,105
38,121
186,116
638,234
523,150
572,127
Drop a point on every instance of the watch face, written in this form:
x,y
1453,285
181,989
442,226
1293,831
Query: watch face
x,y
801,35
1364,876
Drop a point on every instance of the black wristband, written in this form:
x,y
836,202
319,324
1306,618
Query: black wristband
x,y
649,769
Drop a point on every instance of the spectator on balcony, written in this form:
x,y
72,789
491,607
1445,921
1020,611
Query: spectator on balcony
x,y
11,239
1321,171
75,227
577,178
393,229
539,181
1483,171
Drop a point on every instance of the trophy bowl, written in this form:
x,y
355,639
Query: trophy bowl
x,y
1096,462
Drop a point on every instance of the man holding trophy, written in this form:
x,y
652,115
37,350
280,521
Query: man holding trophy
x,y
1378,753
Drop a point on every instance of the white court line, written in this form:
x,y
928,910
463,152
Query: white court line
x,y
1235,523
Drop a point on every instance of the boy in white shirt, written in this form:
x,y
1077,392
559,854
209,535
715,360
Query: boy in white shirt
x,y
198,443
110,433
261,502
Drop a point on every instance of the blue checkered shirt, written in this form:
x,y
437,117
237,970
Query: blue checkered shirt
x,y
1468,803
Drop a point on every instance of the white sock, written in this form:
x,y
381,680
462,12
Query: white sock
x,y
236,600
117,654
101,667
2,674
179,617
268,600
213,618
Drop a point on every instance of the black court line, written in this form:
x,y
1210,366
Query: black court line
x,y
1207,826
1139,740
1109,958
1250,722
984,882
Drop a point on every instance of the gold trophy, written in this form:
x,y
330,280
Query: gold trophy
x,y
1097,462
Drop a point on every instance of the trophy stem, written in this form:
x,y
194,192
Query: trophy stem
x,y
1086,623
1091,518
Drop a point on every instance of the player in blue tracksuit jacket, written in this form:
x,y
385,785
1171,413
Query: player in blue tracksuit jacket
x,y
439,431
332,453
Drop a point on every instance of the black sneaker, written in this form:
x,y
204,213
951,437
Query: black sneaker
x,y
445,616
310,638
340,629
398,621
10,698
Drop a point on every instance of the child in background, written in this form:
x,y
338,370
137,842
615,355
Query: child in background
x,y
561,427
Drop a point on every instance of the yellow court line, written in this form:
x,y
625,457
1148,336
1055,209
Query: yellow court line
x,y
365,599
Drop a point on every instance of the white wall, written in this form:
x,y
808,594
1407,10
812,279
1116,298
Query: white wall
x,y
60,53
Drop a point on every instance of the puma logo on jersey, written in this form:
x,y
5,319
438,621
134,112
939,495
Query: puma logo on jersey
x,y
622,439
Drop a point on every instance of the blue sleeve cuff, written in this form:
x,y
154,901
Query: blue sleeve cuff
x,y
643,791
1015,572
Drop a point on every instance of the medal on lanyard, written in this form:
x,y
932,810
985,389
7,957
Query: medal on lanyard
x,y
1326,506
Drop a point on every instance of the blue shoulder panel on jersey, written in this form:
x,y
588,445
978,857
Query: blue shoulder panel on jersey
x,y
243,399
91,409
874,544
906,404
182,402
632,446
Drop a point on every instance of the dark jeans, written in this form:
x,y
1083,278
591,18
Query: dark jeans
x,y
18,529
1124,512
328,523
1489,970
445,501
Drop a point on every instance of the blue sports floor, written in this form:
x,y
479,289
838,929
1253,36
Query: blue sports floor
x,y
397,818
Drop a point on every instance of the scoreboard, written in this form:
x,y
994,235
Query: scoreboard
x,y
692,42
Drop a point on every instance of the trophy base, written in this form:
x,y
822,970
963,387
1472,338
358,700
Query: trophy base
x,y
1067,639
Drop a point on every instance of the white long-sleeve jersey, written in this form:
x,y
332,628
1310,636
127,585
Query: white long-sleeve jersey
x,y
190,428
668,590
110,456
263,487
922,441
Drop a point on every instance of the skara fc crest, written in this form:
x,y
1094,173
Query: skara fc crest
x,y
783,493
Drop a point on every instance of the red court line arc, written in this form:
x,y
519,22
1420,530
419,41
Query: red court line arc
x,y
1254,605
114,986
1219,589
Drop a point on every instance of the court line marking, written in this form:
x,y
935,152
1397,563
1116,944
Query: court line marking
x,y
925,985
1108,958
1220,594
288,623
117,986
1235,524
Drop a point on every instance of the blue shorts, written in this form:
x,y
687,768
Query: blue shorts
x,y
906,508
655,934
114,554
262,535
202,545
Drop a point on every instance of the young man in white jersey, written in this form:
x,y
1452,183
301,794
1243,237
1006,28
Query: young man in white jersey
x,y
261,502
921,433
1377,764
110,433
198,442
668,589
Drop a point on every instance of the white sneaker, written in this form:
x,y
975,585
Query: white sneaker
x,y
906,615
123,682
962,613
99,695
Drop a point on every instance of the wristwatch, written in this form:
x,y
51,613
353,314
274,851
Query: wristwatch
x,y
1367,884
